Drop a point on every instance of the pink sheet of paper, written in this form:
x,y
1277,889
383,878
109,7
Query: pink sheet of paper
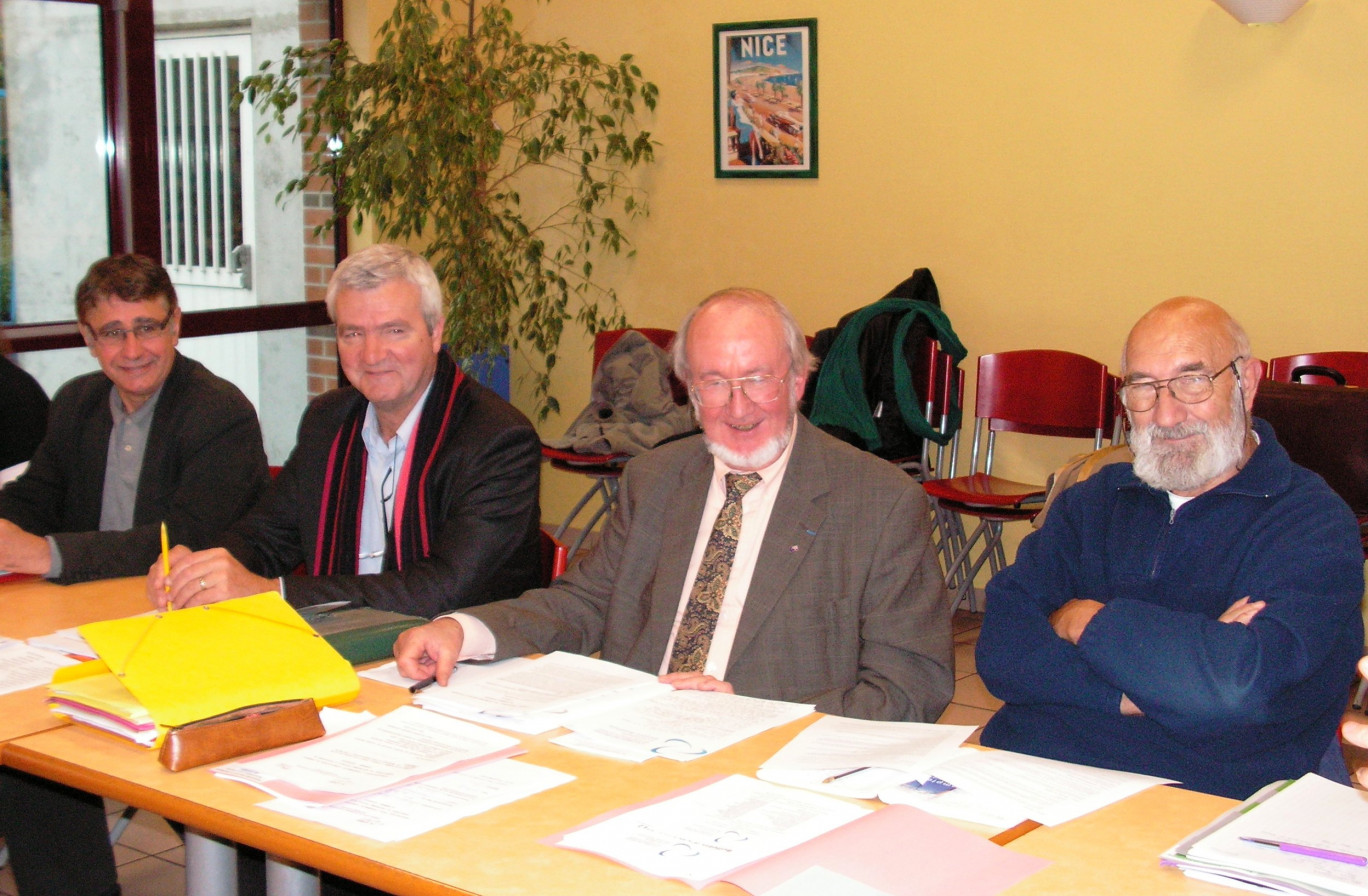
x,y
902,851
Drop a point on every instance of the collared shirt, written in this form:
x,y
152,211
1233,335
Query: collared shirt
x,y
384,470
756,507
123,463
123,468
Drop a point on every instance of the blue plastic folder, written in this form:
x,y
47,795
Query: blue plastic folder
x,y
185,665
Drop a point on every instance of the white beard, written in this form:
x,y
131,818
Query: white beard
x,y
1175,468
758,459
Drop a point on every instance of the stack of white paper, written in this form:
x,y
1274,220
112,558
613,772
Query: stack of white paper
x,y
1303,836
542,694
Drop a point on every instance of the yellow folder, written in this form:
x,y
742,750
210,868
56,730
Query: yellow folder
x,y
189,664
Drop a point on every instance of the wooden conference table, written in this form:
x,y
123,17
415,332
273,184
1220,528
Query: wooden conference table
x,y
498,853
30,607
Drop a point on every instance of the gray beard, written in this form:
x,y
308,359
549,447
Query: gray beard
x,y
1179,469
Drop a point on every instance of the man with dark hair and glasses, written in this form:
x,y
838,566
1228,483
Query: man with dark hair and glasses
x,y
414,489
762,557
151,438
1194,614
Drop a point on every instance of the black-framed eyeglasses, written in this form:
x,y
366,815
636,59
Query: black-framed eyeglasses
x,y
717,393
1190,388
110,337
386,496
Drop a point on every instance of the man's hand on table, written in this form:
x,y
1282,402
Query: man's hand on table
x,y
430,651
23,552
201,577
696,681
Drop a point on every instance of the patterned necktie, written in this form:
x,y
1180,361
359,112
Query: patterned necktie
x,y
700,616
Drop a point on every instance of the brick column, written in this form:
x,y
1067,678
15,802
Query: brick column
x,y
320,255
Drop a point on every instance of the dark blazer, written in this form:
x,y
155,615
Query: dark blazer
x,y
23,414
486,544
846,608
203,468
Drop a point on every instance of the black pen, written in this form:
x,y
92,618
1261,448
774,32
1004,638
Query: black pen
x,y
863,768
420,685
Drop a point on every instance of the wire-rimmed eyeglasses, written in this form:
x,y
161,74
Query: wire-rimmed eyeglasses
x,y
1190,388
143,332
717,393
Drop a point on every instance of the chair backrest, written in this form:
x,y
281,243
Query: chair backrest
x,y
1115,411
555,556
1043,392
1324,430
606,339
1353,366
944,391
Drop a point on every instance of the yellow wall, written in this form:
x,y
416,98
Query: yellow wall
x,y
1059,165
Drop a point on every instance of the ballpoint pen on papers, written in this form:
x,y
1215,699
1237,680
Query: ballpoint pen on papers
x,y
853,771
166,562
422,685
1312,851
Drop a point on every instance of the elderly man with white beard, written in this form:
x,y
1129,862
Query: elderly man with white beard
x,y
1195,614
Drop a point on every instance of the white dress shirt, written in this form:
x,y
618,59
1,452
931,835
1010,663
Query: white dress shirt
x,y
383,459
756,506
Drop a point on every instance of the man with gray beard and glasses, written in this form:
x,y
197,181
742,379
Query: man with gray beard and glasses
x,y
1195,614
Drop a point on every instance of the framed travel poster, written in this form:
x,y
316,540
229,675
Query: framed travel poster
x,y
765,98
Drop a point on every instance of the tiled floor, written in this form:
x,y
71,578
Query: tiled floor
x,y
151,857
972,704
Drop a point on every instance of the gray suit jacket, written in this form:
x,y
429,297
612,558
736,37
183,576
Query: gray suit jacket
x,y
846,608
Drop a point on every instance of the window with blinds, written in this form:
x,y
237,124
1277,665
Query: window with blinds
x,y
201,163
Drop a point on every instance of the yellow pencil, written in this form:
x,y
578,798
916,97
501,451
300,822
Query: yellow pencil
x,y
166,563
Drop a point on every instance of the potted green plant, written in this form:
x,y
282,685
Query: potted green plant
x,y
434,142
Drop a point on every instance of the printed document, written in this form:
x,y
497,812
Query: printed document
x,y
64,640
404,812
22,666
400,747
1019,786
679,725
857,757
542,694
701,835
388,673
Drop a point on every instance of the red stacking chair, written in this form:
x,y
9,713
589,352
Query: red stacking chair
x,y
947,390
1035,392
603,470
1311,369
555,558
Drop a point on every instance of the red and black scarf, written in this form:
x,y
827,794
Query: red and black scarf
x,y
344,487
